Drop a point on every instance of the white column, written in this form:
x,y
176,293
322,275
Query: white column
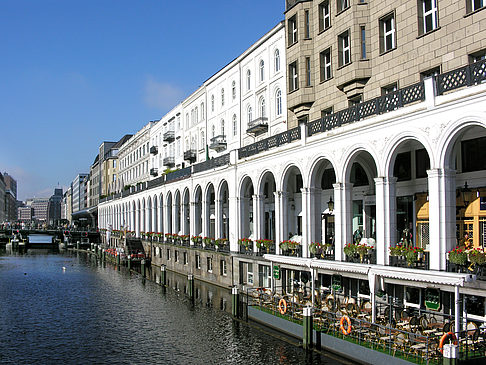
x,y
381,244
205,218
310,198
218,219
192,218
338,222
258,216
442,215
233,219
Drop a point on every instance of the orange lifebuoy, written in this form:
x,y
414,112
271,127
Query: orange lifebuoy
x,y
445,337
345,331
282,306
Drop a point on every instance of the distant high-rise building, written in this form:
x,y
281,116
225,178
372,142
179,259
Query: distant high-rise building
x,y
54,208
79,192
40,209
2,199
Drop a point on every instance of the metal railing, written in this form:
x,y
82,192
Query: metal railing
x,y
211,164
469,75
178,174
383,104
270,142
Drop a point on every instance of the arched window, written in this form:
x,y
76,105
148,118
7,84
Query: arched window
x,y
202,111
192,117
248,80
249,113
233,88
262,70
196,114
222,97
235,125
212,103
222,127
262,108
278,102
213,131
187,120
277,60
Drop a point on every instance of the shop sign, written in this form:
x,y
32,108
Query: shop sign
x,y
276,272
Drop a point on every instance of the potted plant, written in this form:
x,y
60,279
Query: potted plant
x,y
362,250
315,248
477,257
412,254
220,242
396,251
207,241
245,242
350,250
457,256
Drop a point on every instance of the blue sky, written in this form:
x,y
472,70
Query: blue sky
x,y
76,73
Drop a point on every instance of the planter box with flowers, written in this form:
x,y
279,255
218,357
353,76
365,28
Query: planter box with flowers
x,y
197,241
291,248
351,252
406,256
208,243
169,238
265,246
246,245
221,244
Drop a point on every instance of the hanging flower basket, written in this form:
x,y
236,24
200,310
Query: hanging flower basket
x,y
477,257
458,256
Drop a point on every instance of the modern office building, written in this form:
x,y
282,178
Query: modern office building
x,y
79,192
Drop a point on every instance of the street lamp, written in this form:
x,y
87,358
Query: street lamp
x,y
330,204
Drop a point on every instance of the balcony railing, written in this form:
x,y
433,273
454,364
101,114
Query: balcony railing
x,y
270,142
154,150
383,104
218,143
169,161
469,75
211,164
190,155
154,171
258,126
169,136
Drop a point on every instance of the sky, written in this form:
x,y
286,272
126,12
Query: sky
x,y
75,73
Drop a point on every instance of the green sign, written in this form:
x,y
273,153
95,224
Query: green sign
x,y
336,283
276,272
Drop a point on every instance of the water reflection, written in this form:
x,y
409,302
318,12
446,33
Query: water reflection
x,y
90,312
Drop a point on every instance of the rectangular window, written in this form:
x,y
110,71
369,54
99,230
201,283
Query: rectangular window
x,y
185,258
473,5
344,43
292,29
222,268
198,262
325,67
429,73
389,89
324,16
363,41
249,277
293,77
210,264
307,24
387,33
308,70
176,256
326,112
402,169
342,5
427,16
114,164
168,254
264,276
355,100
478,56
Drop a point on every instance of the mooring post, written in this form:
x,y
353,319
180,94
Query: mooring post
x,y
103,257
129,262
77,245
234,301
307,337
450,354
163,279
190,279
142,268
118,259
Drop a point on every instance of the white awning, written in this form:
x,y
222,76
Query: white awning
x,y
405,274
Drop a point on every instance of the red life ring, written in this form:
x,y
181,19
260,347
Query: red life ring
x,y
445,337
282,306
345,331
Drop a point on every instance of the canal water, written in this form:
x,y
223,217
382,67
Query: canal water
x,y
71,309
